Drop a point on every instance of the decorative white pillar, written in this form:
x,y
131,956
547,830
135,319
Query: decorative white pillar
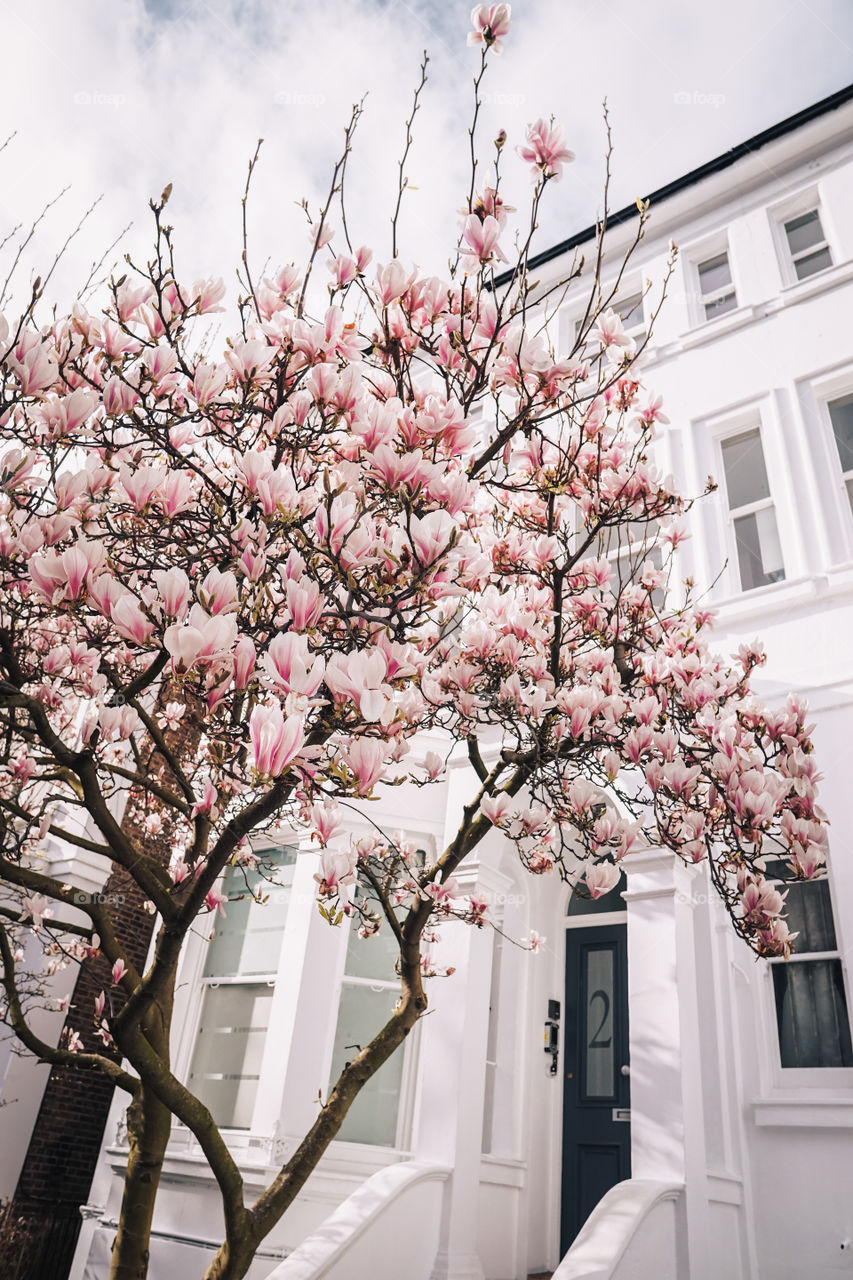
x,y
293,1072
448,1122
667,1121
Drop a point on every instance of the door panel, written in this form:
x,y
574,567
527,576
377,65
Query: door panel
x,y
596,1088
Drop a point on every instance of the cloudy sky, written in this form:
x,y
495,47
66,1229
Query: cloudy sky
x,y
117,99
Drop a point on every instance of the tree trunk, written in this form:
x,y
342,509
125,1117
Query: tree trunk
x,y
148,1127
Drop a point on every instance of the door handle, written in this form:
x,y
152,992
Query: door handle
x,y
621,1113
625,1070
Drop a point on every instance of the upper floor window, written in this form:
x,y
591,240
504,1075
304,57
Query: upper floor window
x,y
807,244
238,980
633,317
716,287
751,511
630,548
841,417
811,1006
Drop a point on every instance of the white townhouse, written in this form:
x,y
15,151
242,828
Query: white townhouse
x,y
643,1099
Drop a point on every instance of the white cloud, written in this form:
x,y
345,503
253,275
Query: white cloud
x,y
120,99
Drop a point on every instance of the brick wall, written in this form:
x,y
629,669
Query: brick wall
x,y
40,1226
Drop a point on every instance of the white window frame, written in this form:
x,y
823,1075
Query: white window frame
x,y
797,206
722,294
199,983
836,517
730,431
410,1049
809,1076
846,476
631,306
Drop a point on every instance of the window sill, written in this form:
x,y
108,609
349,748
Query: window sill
x,y
804,1113
708,330
258,1158
781,597
801,290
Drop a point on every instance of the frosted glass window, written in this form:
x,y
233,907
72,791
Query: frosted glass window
x,y
753,517
716,286
369,993
227,1060
488,1143
363,1011
237,987
810,252
247,940
599,1079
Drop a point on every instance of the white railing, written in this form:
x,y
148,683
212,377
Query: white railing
x,y
633,1233
388,1227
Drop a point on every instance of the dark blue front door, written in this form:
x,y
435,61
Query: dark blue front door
x,y
596,1086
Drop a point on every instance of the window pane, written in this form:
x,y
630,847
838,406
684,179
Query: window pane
x,y
813,263
808,909
374,957
488,1143
247,940
811,1013
720,306
746,476
804,232
714,274
758,550
227,1059
841,414
372,1118
631,311
599,1080
849,487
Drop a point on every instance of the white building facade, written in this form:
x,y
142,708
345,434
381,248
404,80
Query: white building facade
x,y
696,1102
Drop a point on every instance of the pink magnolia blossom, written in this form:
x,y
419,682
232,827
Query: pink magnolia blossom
x,y
497,809
325,819
215,901
545,150
173,586
275,740
337,875
601,877
480,240
365,760
359,676
37,908
290,664
118,971
490,22
392,281
130,621
203,639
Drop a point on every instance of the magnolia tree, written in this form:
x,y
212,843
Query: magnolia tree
x,y
269,568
